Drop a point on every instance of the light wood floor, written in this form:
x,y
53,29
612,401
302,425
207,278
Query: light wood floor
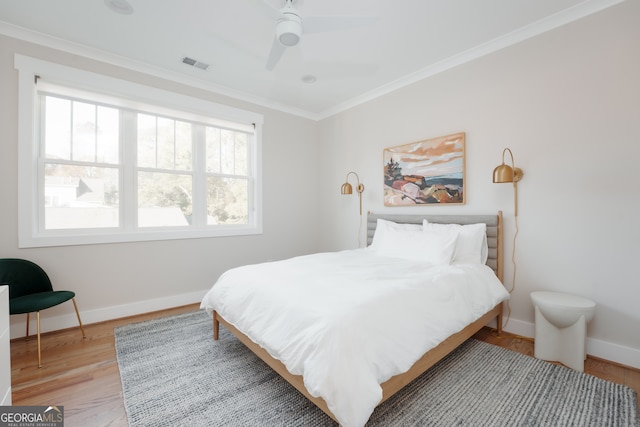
x,y
82,375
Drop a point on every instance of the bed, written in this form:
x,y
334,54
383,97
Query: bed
x,y
367,322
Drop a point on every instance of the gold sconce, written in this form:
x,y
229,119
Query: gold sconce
x,y
506,173
348,189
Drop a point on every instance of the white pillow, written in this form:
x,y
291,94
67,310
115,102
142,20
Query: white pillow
x,y
384,227
471,246
433,247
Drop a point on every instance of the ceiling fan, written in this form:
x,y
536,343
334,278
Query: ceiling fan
x,y
290,26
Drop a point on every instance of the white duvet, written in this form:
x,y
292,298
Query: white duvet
x,y
348,321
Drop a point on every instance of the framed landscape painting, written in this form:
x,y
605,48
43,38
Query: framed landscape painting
x,y
425,172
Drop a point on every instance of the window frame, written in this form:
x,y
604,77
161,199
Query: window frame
x,y
30,207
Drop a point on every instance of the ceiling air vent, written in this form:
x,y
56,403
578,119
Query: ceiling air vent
x,y
195,63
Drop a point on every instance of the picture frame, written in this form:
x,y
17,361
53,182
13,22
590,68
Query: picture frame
x,y
429,172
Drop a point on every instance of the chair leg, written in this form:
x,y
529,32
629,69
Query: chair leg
x,y
26,338
78,314
39,356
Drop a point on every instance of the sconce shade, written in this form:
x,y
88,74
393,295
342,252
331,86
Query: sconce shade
x,y
503,173
346,188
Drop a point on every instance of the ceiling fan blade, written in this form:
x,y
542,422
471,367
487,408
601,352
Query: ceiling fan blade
x,y
265,8
277,50
323,24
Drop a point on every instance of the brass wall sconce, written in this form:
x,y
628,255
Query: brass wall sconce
x,y
505,173
348,189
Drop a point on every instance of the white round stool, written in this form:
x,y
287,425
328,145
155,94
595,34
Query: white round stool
x,y
561,327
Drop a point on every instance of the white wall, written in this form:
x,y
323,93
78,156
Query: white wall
x,y
567,103
122,279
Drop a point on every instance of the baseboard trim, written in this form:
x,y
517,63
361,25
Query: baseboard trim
x,y
616,353
56,323
608,351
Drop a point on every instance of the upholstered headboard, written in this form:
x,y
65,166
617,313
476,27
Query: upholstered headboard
x,y
493,222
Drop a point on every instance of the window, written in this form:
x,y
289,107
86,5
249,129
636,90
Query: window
x,y
105,160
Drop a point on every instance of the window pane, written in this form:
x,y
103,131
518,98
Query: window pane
x,y
84,132
146,141
213,150
57,132
227,201
240,154
108,135
164,199
183,146
166,141
80,197
227,151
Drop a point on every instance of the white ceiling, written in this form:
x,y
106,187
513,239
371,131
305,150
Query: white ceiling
x,y
407,41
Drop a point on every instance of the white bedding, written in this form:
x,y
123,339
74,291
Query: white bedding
x,y
348,321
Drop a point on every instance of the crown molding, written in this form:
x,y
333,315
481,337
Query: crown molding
x,y
84,51
559,19
551,22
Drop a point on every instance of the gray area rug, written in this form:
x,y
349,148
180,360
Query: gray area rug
x,y
174,374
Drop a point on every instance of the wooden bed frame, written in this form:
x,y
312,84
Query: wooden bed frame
x,y
394,384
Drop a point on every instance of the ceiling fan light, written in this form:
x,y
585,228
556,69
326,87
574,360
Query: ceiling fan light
x,y
289,31
289,39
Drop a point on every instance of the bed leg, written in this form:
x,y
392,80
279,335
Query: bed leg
x,y
499,323
216,326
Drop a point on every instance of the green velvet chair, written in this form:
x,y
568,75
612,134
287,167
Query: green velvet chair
x,y
30,291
